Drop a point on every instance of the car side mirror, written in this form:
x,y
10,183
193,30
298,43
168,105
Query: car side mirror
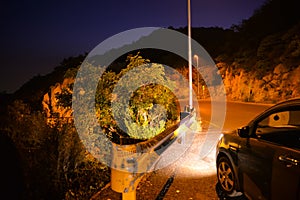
x,y
244,132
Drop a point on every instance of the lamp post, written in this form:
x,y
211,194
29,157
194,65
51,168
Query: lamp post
x,y
197,61
190,56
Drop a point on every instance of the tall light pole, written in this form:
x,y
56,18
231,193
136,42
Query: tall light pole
x,y
190,57
197,60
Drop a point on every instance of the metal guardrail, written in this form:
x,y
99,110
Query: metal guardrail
x,y
155,143
130,162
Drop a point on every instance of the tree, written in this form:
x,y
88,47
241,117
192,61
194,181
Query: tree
x,y
152,106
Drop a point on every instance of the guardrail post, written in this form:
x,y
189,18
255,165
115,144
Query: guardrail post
x,y
125,182
124,177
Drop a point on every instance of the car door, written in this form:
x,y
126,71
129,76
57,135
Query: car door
x,y
286,174
281,129
256,158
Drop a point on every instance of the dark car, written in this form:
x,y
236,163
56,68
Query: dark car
x,y
262,159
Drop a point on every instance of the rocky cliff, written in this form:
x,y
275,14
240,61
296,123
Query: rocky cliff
x,y
50,103
278,85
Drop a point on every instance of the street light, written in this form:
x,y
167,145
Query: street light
x,y
197,60
190,56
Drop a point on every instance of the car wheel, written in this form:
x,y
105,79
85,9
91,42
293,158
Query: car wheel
x,y
226,177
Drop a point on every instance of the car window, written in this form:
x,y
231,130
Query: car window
x,y
281,119
281,127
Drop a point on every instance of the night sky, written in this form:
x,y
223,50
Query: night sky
x,y
37,35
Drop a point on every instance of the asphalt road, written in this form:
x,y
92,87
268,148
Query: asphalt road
x,y
236,114
192,176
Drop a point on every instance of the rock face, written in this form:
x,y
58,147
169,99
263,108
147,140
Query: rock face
x,y
50,103
279,85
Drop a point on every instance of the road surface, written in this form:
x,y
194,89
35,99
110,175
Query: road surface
x,y
237,114
190,177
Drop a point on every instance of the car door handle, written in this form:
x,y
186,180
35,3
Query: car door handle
x,y
288,160
233,148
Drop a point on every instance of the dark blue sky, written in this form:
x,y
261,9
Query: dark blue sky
x,y
37,35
